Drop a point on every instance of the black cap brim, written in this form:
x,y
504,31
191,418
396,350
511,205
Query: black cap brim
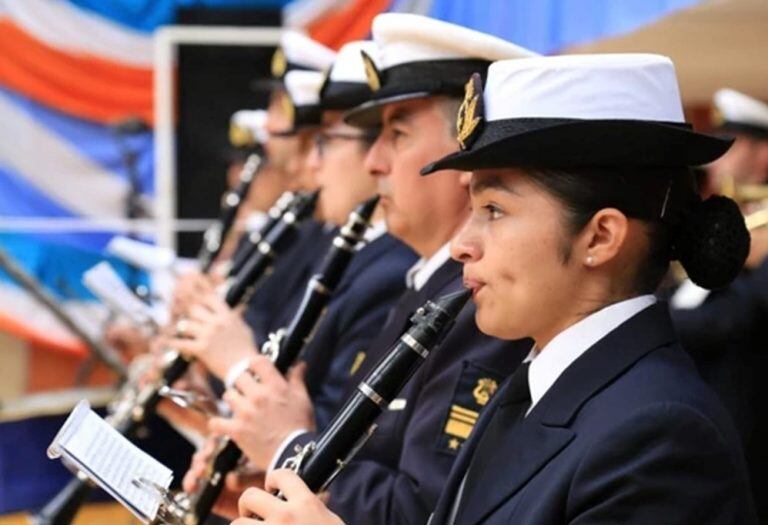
x,y
368,114
566,143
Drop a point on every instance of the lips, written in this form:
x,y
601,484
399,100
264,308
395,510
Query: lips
x,y
473,284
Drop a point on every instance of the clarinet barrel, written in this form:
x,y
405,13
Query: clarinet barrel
x,y
343,437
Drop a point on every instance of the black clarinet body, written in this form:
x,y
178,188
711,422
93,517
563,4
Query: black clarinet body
x,y
251,242
322,460
284,349
276,240
321,287
213,238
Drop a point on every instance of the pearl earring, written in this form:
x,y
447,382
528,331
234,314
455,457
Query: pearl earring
x,y
590,260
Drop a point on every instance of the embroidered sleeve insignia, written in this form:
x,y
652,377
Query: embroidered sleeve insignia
x,y
484,389
474,389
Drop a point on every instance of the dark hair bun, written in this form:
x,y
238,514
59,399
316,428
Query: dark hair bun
x,y
712,243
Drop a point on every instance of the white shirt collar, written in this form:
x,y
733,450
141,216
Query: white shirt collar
x,y
567,346
374,231
418,275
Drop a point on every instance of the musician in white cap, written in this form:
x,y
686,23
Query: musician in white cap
x,y
581,195
217,326
296,52
746,119
417,79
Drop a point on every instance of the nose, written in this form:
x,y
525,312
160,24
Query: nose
x,y
466,245
314,159
377,160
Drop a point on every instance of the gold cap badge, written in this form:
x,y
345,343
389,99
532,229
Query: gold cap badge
x,y
716,117
289,109
470,116
371,72
279,63
240,136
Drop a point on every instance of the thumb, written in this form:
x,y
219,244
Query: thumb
x,y
296,374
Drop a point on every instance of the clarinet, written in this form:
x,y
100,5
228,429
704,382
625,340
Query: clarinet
x,y
319,462
130,413
275,241
252,240
213,238
284,347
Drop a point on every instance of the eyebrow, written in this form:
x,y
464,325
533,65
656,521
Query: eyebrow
x,y
401,115
490,182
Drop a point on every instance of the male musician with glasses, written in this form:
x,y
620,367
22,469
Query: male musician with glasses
x,y
359,306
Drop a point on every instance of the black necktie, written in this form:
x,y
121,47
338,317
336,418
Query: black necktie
x,y
513,404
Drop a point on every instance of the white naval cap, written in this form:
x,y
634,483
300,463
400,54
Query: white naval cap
x,y
297,51
594,87
248,127
347,82
303,89
738,112
419,56
404,38
577,110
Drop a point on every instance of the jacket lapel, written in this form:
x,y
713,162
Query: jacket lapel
x,y
459,469
545,431
363,259
442,280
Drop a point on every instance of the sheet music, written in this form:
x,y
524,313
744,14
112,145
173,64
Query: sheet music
x,y
110,460
142,254
106,284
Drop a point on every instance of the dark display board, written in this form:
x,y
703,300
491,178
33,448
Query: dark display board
x,y
213,82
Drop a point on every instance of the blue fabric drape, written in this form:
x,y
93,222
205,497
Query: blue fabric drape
x,y
548,26
146,15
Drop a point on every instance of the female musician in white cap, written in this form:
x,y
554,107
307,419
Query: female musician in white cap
x,y
581,195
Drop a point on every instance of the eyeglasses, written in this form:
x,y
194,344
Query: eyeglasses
x,y
322,139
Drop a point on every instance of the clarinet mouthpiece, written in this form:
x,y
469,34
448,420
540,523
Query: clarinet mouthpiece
x,y
312,198
367,207
453,303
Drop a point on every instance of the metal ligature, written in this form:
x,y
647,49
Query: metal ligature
x,y
132,405
283,348
214,236
319,462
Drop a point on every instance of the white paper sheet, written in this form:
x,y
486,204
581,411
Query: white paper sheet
x,y
106,284
141,254
110,460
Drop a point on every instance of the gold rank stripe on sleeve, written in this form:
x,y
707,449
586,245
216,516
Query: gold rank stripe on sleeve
x,y
359,358
460,421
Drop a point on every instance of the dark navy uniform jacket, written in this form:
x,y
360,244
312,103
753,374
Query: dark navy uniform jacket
x,y
727,335
629,433
397,476
284,287
371,285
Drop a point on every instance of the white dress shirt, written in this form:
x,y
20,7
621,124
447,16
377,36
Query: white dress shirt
x,y
418,275
551,361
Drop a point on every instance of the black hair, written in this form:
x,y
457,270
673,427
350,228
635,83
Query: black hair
x,y
709,238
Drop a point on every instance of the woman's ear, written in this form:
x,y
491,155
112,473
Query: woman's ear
x,y
465,177
603,237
